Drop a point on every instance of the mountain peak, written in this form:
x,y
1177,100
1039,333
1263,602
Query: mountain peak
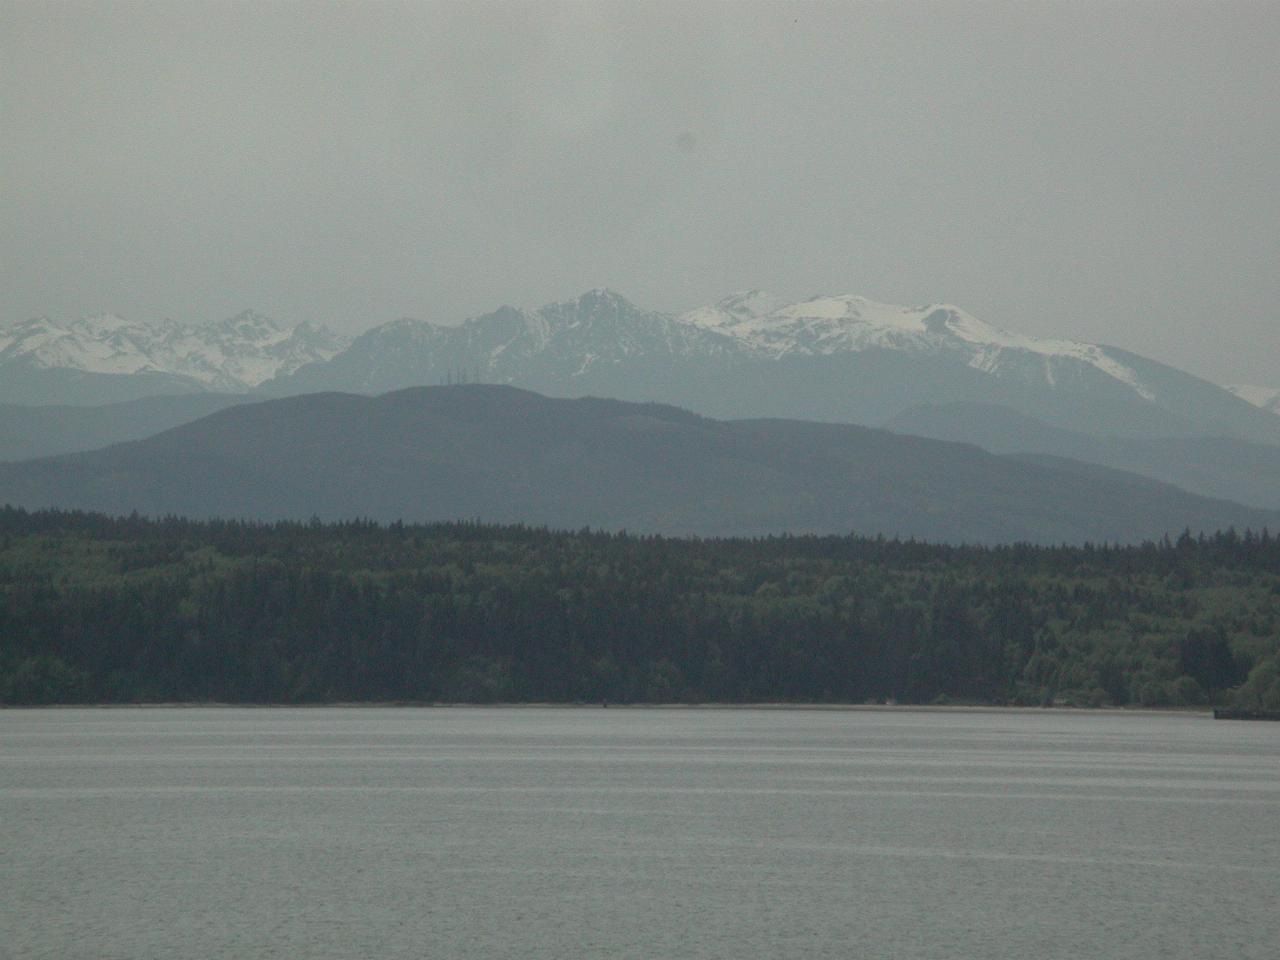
x,y
603,296
105,318
749,303
246,323
252,316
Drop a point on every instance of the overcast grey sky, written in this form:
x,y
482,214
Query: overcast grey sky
x,y
1104,171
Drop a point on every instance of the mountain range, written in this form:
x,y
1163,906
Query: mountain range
x,y
506,455
106,358
843,359
933,371
1221,467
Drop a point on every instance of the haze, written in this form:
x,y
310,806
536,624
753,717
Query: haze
x,y
1100,171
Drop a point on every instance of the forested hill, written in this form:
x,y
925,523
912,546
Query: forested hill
x,y
510,456
127,610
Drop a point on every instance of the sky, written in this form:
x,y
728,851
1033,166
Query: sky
x,y
1108,172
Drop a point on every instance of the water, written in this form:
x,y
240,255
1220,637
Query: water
x,y
387,833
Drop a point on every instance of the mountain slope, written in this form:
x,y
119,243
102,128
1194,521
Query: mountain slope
x,y
1267,398
1211,466
507,455
41,431
25,383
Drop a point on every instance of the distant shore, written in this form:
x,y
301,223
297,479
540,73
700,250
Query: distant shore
x,y
1206,712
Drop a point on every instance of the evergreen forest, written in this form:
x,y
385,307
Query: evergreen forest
x,y
95,609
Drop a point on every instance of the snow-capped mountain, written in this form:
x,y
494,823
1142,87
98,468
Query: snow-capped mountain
x,y
228,355
1268,398
561,346
824,326
842,358
834,358
602,330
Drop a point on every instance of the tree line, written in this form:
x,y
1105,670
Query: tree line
x,y
129,609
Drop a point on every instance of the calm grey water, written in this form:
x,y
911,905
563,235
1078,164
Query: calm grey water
x,y
349,833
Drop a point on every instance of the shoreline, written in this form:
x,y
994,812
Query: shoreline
x,y
1197,711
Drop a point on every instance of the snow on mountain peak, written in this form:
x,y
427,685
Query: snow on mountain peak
x,y
104,322
828,325
598,327
231,354
248,324
733,311
750,303
820,325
